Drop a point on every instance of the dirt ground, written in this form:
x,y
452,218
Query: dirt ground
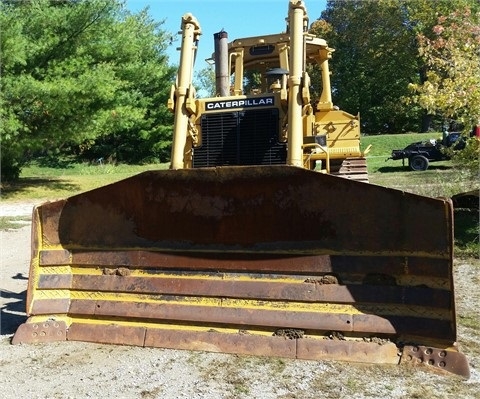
x,y
81,370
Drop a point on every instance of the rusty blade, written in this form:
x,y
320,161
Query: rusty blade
x,y
283,209
258,249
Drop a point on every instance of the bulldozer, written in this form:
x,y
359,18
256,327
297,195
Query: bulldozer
x,y
264,237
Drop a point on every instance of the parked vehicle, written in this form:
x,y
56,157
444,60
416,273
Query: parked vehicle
x,y
420,154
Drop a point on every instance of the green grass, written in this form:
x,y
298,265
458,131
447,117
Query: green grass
x,y
13,222
382,145
467,231
441,179
42,183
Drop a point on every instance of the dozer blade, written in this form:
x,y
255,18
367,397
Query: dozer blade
x,y
276,261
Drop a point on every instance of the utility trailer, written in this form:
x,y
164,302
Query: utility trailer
x,y
421,153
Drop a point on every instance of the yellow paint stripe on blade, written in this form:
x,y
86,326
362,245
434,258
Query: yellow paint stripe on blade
x,y
321,308
159,325
62,269
51,294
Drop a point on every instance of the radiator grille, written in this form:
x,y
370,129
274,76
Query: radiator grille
x,y
240,138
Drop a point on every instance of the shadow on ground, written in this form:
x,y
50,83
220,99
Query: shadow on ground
x,y
26,183
12,313
400,168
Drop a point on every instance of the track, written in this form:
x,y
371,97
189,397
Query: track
x,y
350,168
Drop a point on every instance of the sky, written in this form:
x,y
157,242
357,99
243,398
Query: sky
x,y
239,18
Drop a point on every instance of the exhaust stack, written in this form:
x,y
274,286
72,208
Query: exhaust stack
x,y
222,83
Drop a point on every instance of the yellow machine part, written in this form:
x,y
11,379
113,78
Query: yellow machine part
x,y
271,260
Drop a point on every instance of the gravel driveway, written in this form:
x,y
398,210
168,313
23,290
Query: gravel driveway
x,y
81,370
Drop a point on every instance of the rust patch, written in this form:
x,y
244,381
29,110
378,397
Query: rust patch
x,y
349,351
107,334
247,344
441,359
45,331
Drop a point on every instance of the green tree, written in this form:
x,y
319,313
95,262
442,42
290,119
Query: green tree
x,y
377,58
452,55
76,74
422,16
452,85
373,62
205,82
